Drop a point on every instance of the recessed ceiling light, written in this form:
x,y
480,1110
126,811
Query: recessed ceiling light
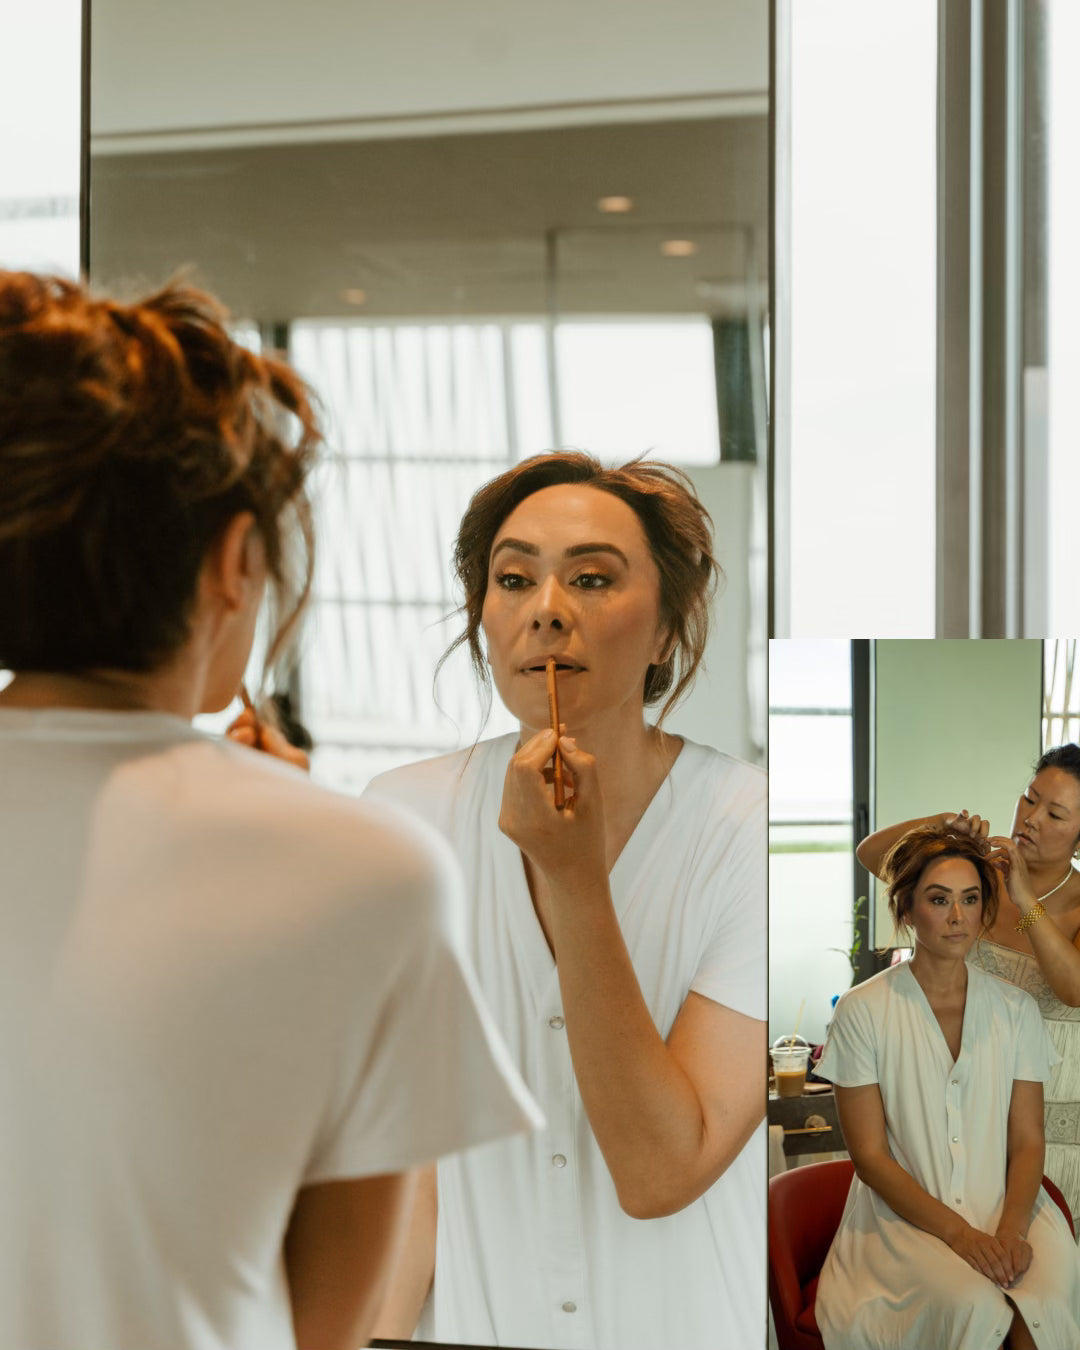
x,y
354,296
678,248
615,205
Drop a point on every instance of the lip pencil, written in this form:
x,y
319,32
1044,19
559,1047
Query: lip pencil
x,y
553,713
250,706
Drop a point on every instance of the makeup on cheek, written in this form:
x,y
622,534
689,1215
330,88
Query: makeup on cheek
x,y
553,714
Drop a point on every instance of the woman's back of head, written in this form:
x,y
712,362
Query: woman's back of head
x,y
130,433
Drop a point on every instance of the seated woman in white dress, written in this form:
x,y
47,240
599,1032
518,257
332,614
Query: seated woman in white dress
x,y
1033,942
619,941
947,1239
214,1085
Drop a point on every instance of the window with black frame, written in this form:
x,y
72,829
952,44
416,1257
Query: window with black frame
x,y
812,933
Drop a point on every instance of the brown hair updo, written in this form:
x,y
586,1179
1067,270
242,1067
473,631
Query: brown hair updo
x,y
679,534
129,435
913,853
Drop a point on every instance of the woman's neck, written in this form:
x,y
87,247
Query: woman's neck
x,y
102,690
1046,876
939,977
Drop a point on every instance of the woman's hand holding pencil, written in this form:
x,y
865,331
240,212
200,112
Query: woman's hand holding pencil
x,y
251,729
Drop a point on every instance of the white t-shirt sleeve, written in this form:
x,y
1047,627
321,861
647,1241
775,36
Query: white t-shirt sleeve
x,y
1036,1054
850,1055
425,1072
733,885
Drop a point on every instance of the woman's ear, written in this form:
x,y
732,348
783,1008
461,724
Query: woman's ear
x,y
666,643
236,561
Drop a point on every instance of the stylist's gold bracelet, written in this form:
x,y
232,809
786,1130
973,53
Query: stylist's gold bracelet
x,y
1033,916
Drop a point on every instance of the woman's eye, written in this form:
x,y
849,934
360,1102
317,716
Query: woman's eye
x,y
1029,800
511,581
592,581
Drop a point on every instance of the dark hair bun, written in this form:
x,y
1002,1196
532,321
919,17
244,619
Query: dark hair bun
x,y
1065,757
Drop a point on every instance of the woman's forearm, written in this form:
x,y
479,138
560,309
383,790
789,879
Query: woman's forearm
x,y
1058,958
642,1104
871,852
1022,1181
411,1282
902,1193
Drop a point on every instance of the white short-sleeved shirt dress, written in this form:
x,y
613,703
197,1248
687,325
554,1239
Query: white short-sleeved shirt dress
x,y
533,1248
886,1284
218,983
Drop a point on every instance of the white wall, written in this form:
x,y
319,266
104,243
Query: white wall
x,y
205,63
958,724
717,711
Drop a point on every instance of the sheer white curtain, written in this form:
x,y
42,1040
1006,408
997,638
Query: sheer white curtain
x,y
1061,692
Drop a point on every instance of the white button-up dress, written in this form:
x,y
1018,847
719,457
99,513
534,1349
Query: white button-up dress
x,y
533,1248
887,1284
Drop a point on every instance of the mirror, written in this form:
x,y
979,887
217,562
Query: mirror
x,y
433,246
480,230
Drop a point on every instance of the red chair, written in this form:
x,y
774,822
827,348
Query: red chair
x,y
805,1206
1054,1193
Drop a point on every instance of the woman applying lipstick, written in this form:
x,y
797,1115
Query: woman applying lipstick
x,y
947,1238
620,940
1032,942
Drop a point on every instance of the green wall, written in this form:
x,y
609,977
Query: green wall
x,y
957,724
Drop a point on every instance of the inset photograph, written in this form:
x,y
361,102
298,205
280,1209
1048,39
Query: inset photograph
x,y
924,989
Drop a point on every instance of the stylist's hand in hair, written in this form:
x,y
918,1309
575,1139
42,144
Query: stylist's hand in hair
x,y
1009,861
249,729
975,827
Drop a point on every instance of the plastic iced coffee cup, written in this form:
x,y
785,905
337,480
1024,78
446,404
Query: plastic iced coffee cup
x,y
789,1068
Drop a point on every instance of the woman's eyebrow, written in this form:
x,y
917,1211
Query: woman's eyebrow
x,y
518,545
577,550
574,551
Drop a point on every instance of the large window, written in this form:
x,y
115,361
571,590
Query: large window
x,y
1061,405
856,100
420,415
811,857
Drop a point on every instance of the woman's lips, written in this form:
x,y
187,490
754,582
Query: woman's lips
x,y
561,668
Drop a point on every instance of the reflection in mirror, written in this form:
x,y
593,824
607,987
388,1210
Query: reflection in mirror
x,y
533,229
451,328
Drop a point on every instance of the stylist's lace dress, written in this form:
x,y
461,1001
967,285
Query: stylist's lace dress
x,y
1062,1096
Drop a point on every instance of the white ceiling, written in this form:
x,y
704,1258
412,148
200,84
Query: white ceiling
x,y
431,153
240,64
